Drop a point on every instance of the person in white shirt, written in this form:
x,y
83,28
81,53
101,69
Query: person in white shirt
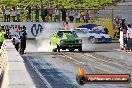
x,y
16,42
18,13
71,15
57,15
129,37
13,14
7,14
77,15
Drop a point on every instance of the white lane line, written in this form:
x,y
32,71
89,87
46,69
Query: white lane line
x,y
40,75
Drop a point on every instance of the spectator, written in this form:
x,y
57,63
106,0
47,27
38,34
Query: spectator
x,y
28,9
86,16
50,12
77,15
42,12
129,36
123,28
7,14
36,11
57,15
71,15
46,15
63,10
16,42
13,14
3,13
18,13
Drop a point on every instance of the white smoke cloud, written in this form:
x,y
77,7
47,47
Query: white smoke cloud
x,y
43,38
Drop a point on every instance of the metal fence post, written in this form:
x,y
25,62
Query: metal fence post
x,y
112,16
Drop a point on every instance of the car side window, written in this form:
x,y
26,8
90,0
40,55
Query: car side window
x,y
77,30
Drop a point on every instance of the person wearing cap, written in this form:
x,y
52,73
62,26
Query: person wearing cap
x,y
16,42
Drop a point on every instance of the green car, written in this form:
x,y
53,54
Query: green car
x,y
65,39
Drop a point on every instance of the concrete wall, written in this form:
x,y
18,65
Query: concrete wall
x,y
15,74
3,65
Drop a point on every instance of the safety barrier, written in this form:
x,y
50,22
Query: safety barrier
x,y
14,73
3,63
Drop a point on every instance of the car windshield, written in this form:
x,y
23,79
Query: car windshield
x,y
89,31
79,30
60,33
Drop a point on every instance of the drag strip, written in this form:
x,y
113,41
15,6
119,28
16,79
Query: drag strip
x,y
50,75
59,69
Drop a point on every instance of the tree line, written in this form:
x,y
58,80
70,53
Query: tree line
x,y
89,4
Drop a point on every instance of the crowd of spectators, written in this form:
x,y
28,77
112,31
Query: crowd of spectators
x,y
8,13
45,14
127,32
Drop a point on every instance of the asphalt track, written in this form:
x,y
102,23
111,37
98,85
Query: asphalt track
x,y
58,70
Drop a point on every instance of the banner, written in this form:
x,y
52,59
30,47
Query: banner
x,y
35,29
32,29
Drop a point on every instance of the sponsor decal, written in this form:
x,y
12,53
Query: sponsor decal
x,y
36,29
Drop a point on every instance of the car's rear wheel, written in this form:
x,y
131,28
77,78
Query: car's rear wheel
x,y
92,40
54,50
80,49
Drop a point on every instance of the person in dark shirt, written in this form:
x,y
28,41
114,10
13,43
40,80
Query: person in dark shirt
x,y
45,13
23,38
63,10
28,8
42,12
36,11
